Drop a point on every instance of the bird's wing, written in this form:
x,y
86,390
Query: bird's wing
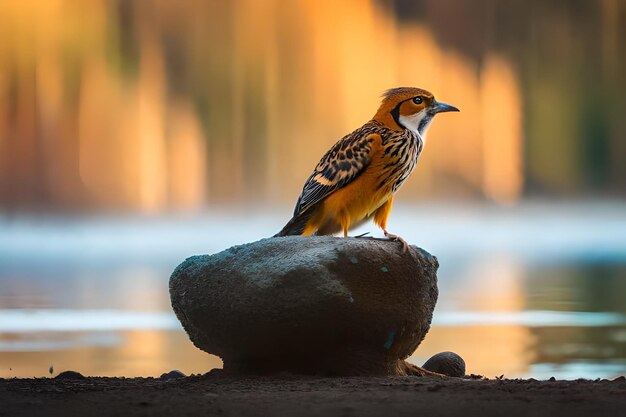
x,y
338,167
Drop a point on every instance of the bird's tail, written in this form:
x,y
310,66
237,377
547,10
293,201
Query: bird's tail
x,y
297,224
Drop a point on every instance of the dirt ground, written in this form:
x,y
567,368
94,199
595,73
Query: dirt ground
x,y
217,395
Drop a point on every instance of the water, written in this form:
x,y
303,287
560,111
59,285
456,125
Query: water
x,y
533,291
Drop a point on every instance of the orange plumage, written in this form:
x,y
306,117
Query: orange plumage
x,y
357,178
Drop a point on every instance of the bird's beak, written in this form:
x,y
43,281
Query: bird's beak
x,y
439,107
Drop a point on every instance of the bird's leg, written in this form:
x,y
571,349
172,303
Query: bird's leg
x,y
405,246
380,218
344,221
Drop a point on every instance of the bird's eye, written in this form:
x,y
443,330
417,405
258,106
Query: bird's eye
x,y
417,100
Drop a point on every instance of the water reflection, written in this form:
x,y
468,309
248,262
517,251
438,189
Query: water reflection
x,y
136,353
590,286
71,285
516,297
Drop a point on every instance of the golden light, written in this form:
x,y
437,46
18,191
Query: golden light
x,y
280,83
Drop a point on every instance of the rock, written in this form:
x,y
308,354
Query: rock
x,y
446,363
314,305
174,374
70,375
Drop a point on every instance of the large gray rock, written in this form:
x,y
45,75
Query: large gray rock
x,y
321,305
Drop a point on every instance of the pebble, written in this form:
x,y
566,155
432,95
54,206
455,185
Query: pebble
x,y
447,363
175,374
70,375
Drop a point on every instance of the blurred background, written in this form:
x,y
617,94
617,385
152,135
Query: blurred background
x,y
136,133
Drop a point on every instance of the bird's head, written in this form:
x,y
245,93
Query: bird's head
x,y
409,108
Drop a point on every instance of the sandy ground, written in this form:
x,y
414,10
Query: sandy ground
x,y
210,395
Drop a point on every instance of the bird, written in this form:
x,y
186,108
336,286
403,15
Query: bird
x,y
357,178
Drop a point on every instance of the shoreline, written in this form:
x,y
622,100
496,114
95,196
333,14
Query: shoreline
x,y
287,395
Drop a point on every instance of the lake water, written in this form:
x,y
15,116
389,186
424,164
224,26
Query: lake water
x,y
538,290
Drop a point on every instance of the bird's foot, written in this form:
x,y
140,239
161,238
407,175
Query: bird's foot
x,y
363,234
414,370
405,246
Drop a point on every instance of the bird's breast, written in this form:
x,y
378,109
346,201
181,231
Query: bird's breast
x,y
398,159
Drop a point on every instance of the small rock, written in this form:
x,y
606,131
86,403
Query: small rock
x,y
303,305
175,374
70,375
447,363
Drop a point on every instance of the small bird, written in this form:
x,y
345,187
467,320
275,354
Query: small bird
x,y
358,177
